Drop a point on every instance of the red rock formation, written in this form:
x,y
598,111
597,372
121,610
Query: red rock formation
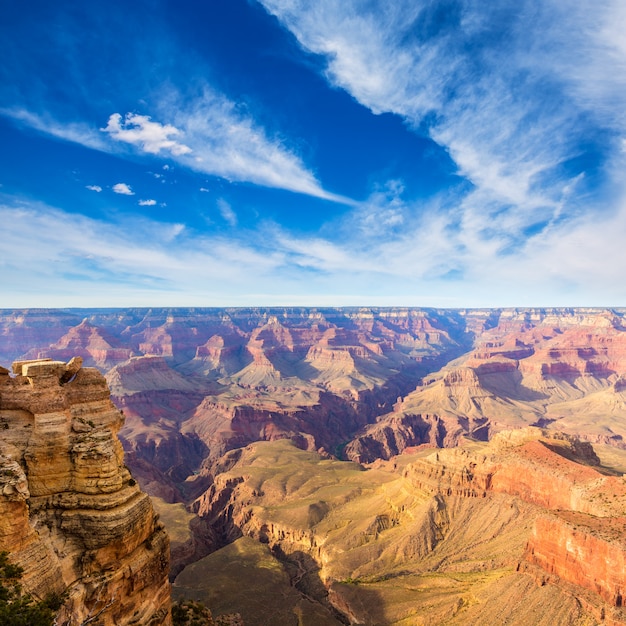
x,y
89,342
583,550
579,537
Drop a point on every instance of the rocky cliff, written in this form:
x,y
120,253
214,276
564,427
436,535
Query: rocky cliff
x,y
440,535
561,369
364,383
461,536
71,515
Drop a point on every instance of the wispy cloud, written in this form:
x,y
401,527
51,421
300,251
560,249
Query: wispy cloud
x,y
142,261
95,188
123,189
209,134
75,132
133,260
147,202
225,141
524,98
227,212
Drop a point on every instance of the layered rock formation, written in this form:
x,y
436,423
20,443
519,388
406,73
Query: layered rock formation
x,y
70,513
199,387
195,383
438,536
563,370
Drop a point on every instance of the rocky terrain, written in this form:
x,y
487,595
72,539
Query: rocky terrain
x,y
436,537
194,384
71,515
299,445
562,371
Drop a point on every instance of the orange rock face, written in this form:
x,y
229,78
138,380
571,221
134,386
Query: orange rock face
x,y
582,550
363,383
71,515
579,533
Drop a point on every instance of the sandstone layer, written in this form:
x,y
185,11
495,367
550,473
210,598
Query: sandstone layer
x,y
466,530
362,382
71,515
564,371
438,537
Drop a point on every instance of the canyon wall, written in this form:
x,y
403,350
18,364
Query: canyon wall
x,y
71,515
199,387
532,506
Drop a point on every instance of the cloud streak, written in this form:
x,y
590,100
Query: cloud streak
x,y
139,261
160,262
524,98
209,134
225,141
74,132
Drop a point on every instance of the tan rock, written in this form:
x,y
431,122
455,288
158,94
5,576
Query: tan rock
x,y
70,514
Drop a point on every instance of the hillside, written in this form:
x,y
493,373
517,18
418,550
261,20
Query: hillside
x,y
448,537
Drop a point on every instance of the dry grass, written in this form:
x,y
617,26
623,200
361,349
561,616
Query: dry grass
x,y
245,578
176,519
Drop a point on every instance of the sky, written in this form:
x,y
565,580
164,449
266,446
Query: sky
x,y
444,153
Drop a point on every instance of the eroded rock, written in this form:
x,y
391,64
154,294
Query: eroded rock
x,y
70,513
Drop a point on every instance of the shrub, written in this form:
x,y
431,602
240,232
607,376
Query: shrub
x,y
18,608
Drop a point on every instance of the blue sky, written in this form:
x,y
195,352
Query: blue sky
x,y
287,152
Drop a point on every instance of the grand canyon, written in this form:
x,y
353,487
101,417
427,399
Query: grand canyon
x,y
313,466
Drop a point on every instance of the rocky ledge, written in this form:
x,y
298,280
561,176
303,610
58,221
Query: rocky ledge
x,y
71,515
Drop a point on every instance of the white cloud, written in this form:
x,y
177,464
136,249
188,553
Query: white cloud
x,y
80,259
515,93
124,189
227,212
141,131
204,190
95,188
209,134
226,142
138,261
147,202
220,139
79,133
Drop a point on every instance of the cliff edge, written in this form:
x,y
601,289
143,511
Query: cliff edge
x,y
71,515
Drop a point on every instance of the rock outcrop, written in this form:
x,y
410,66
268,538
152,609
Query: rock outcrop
x,y
445,526
71,515
579,535
562,369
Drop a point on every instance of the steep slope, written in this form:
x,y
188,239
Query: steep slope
x,y
71,514
432,540
441,537
204,381
93,344
156,400
565,372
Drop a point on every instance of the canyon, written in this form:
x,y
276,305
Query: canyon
x,y
379,466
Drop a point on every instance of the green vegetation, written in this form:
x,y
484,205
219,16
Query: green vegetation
x,y
188,613
18,608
